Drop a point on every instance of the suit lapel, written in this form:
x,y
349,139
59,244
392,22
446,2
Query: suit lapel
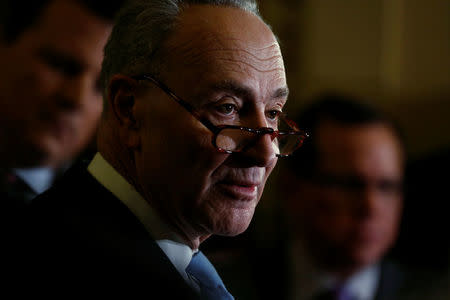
x,y
99,230
391,282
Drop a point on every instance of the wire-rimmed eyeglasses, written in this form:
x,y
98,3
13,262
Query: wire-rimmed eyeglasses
x,y
234,138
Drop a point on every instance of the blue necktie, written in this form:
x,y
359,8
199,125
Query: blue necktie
x,y
211,286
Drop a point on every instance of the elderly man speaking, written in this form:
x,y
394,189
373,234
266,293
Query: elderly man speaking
x,y
192,128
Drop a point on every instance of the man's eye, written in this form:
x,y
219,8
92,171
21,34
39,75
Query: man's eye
x,y
60,63
227,108
390,186
273,114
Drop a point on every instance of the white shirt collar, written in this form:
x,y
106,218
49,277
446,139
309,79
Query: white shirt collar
x,y
38,179
170,243
308,279
180,256
363,284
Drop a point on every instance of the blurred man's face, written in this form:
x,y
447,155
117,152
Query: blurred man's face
x,y
49,95
352,208
232,76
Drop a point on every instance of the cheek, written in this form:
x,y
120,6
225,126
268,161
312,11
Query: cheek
x,y
218,216
198,160
89,119
269,169
40,78
28,78
389,216
182,155
196,140
35,89
330,214
330,203
93,110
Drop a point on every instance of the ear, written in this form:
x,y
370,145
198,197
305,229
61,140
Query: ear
x,y
122,102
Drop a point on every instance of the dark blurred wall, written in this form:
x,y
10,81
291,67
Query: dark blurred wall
x,y
395,52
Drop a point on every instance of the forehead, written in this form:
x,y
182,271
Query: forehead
x,y
366,149
67,26
210,45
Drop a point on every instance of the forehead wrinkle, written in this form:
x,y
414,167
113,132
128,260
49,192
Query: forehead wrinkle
x,y
203,46
268,57
261,59
268,69
233,44
247,52
188,50
241,90
241,60
233,86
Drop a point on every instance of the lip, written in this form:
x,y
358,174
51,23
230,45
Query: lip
x,y
368,235
240,190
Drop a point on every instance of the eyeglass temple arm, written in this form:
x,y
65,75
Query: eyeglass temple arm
x,y
180,101
204,121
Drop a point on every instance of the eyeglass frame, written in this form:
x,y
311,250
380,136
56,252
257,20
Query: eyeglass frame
x,y
216,129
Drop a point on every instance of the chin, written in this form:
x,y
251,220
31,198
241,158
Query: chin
x,y
235,224
32,157
234,231
230,232
366,257
50,157
58,152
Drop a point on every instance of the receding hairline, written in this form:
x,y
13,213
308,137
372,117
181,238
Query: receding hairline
x,y
166,16
194,25
200,17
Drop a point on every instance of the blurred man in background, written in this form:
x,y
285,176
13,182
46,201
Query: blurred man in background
x,y
50,97
344,200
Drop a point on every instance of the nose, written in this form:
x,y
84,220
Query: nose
x,y
368,201
74,93
262,152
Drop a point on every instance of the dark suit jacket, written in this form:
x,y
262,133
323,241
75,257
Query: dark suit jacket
x,y
85,240
15,195
392,283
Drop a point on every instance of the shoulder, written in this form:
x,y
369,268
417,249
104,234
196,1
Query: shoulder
x,y
395,278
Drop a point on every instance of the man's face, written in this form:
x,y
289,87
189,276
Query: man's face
x,y
231,76
50,99
352,209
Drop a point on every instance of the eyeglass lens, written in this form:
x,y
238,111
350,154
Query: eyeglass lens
x,y
236,140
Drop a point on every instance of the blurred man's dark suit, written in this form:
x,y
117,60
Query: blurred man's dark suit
x,y
391,283
15,196
97,243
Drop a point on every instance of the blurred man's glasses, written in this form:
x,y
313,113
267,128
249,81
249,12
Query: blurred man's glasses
x,y
233,138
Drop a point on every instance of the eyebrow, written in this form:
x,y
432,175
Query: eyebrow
x,y
63,61
246,92
281,93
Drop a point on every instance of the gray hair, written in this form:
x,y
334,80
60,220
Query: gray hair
x,y
141,29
